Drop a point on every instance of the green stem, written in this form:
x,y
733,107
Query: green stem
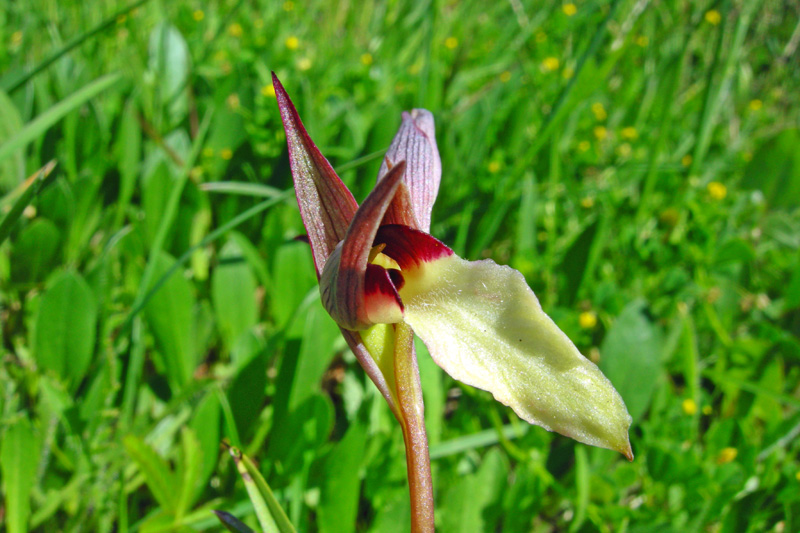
x,y
412,409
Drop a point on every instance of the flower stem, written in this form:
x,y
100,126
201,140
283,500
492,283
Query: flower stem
x,y
412,409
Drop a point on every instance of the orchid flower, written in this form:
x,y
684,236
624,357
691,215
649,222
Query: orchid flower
x,y
384,278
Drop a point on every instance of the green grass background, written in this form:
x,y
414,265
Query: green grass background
x,y
638,161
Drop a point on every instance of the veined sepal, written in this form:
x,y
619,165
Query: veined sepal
x,y
355,293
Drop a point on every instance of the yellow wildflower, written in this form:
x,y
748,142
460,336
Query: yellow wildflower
x,y
643,40
629,133
268,91
713,17
717,190
689,406
451,43
505,77
756,104
235,30
366,59
226,154
600,132
686,160
624,150
569,9
599,111
550,64
494,167
584,146
587,202
726,455
198,15
587,320
292,43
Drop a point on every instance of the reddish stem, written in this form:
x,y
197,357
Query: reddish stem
x,y
412,409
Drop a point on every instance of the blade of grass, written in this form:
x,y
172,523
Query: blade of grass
x,y
34,184
269,512
712,103
227,416
559,110
42,123
211,237
752,387
665,122
480,439
170,212
241,188
360,161
10,85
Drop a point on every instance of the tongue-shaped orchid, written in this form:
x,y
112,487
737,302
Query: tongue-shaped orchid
x,y
383,276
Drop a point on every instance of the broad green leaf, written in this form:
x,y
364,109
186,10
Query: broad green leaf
x,y
46,119
128,152
775,169
233,290
170,315
464,505
630,356
246,391
293,278
169,63
316,351
576,261
206,426
65,327
793,290
733,251
35,251
188,472
157,184
12,170
19,457
339,493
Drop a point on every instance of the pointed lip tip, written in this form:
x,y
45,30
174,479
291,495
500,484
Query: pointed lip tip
x,y
628,453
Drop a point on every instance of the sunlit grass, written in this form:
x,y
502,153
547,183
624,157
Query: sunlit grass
x,y
636,161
